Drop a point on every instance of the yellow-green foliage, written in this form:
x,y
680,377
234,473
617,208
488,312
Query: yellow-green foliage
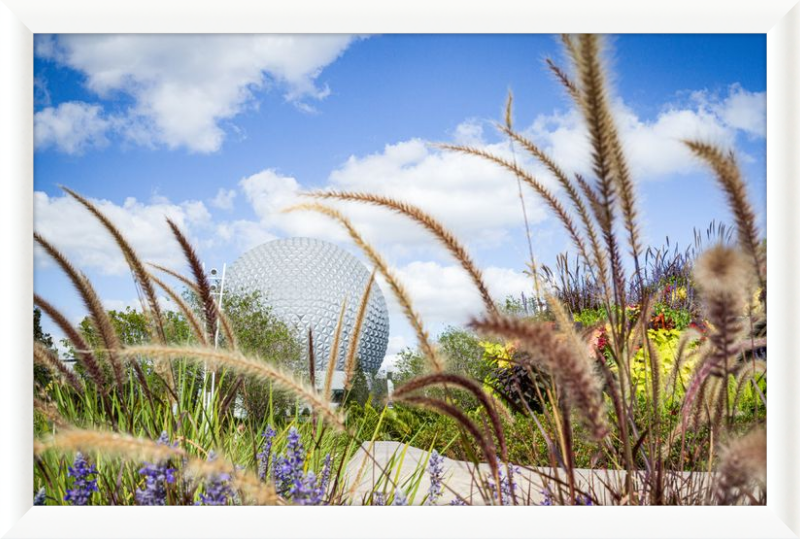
x,y
665,342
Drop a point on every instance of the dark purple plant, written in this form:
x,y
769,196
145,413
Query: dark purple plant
x,y
84,483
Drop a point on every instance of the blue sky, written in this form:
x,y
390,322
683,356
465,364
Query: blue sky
x,y
221,132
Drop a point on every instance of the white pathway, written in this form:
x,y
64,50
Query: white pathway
x,y
407,466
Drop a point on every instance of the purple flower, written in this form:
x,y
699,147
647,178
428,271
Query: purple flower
x,y
292,482
40,497
325,476
84,483
507,484
457,501
580,499
436,471
379,498
399,498
314,489
156,477
288,469
263,456
217,487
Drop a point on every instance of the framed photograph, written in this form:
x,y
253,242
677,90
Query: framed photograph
x,y
415,254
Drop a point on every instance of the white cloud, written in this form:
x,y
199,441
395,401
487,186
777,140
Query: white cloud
x,y
444,294
474,198
654,148
224,199
469,133
71,228
71,128
463,192
184,86
269,193
244,234
743,110
397,343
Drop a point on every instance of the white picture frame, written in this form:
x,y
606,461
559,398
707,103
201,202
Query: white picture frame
x,y
20,19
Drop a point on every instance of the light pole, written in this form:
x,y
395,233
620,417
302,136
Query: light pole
x,y
218,291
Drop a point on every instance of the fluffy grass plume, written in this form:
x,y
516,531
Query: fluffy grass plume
x,y
253,368
550,199
462,419
565,80
572,371
355,339
140,275
742,466
399,291
598,259
109,444
44,357
722,275
93,304
194,322
730,178
200,279
428,222
334,356
172,273
602,131
83,352
473,387
139,449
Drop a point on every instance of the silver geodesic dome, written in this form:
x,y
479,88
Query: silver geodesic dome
x,y
305,281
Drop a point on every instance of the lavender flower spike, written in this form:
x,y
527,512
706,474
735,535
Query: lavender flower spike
x,y
217,489
325,476
399,498
436,472
288,469
84,485
156,476
263,456
507,484
40,497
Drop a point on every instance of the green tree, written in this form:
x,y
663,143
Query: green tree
x,y
410,363
259,332
359,390
463,353
41,375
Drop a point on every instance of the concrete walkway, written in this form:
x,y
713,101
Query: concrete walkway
x,y
407,467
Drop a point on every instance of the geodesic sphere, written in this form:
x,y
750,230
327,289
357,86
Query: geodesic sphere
x,y
305,281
